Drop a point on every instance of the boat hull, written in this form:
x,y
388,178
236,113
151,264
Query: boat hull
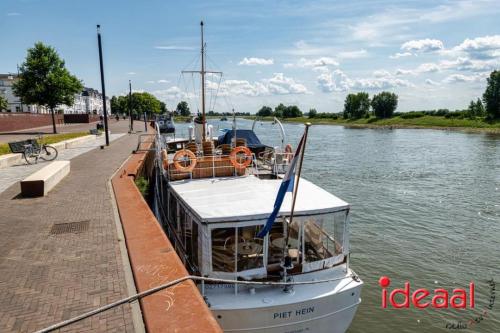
x,y
325,311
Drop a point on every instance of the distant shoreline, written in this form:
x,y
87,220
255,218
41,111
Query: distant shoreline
x,y
425,122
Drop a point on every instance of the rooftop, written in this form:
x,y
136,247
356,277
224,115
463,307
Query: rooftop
x,y
250,198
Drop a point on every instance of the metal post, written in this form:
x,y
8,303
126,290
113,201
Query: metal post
x,y
131,125
203,118
145,123
102,85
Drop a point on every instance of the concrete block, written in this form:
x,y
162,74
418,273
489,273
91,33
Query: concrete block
x,y
8,160
41,182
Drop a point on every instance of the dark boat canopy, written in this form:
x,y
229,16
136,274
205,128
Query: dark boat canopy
x,y
249,135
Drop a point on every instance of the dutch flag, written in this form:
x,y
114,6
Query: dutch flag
x,y
286,186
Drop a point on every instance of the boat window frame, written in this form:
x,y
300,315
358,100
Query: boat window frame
x,y
309,266
260,272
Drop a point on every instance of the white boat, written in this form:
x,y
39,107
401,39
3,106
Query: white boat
x,y
218,195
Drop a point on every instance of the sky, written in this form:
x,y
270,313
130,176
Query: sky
x,y
433,54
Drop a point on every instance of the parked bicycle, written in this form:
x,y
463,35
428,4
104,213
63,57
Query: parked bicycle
x,y
32,150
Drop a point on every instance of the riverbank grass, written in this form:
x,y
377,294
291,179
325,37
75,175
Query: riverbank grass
x,y
49,139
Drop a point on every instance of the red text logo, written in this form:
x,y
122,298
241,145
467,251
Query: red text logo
x,y
422,298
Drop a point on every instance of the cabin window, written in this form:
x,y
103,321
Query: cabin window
x,y
223,254
237,249
278,239
172,208
250,250
324,236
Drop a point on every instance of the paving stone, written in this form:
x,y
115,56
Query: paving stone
x,y
47,278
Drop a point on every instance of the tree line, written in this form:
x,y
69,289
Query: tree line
x,y
384,105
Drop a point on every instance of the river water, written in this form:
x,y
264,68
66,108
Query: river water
x,y
425,208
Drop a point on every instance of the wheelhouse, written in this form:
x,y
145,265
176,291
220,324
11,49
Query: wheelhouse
x,y
217,220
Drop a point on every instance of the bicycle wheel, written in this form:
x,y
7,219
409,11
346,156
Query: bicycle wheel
x,y
48,153
30,156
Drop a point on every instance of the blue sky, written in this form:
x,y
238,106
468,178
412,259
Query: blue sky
x,y
433,54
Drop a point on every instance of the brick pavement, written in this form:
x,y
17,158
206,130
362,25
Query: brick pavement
x,y
47,278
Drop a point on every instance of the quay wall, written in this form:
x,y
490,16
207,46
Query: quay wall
x,y
154,261
15,121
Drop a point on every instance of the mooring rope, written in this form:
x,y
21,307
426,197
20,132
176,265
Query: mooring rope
x,y
177,281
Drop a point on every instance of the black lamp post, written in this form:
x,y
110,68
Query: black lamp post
x,y
102,85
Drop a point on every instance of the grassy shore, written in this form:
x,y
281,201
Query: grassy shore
x,y
433,122
4,147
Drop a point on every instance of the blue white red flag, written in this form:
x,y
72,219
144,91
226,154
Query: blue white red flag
x,y
286,186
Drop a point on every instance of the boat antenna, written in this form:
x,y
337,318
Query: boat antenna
x,y
202,73
234,127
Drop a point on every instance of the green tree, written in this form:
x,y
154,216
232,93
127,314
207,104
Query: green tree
x,y
183,109
312,113
356,105
143,102
384,104
279,111
491,96
163,107
265,111
292,111
44,80
4,104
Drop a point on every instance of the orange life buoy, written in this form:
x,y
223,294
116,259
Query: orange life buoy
x,y
164,159
239,164
182,156
288,152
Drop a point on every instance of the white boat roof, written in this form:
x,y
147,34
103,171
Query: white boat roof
x,y
250,198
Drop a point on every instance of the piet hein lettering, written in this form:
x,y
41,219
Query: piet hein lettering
x,y
422,298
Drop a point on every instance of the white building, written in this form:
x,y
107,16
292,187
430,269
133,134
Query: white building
x,y
14,103
88,101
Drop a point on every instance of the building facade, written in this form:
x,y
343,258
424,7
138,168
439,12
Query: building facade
x,y
88,101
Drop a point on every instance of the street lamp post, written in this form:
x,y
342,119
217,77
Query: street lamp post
x,y
102,85
131,127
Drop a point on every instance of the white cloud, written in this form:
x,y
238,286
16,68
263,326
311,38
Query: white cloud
x,y
400,55
333,81
339,81
13,14
174,48
431,82
278,84
458,78
255,61
163,81
353,54
423,45
485,47
282,85
131,73
150,82
172,94
311,63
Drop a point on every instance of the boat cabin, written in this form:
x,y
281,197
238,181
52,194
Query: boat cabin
x,y
215,222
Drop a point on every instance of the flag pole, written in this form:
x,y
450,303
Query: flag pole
x,y
295,190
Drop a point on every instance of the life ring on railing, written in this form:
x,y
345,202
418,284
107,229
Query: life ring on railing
x,y
288,152
164,159
182,156
234,159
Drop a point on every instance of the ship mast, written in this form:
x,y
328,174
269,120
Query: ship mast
x,y
203,119
202,73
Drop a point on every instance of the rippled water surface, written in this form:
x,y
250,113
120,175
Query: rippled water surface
x,y
425,209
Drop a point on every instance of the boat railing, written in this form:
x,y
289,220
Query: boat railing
x,y
199,165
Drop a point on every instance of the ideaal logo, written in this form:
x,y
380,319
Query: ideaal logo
x,y
440,299
422,298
